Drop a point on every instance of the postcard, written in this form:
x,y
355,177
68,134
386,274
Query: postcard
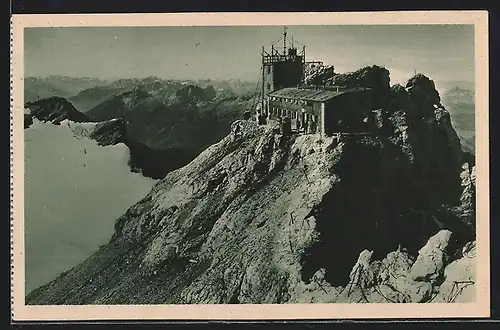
x,y
243,166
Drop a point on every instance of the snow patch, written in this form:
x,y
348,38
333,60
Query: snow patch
x,y
74,192
80,129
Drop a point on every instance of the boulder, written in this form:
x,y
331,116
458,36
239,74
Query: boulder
x,y
432,258
460,279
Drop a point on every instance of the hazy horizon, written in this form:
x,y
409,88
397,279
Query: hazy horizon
x,y
443,52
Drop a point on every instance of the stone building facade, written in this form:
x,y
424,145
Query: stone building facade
x,y
324,110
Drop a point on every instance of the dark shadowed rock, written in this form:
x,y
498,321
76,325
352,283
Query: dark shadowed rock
x,y
110,132
54,110
399,99
373,77
422,91
193,126
150,162
28,120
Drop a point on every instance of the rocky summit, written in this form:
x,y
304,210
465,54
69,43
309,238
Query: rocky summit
x,y
262,217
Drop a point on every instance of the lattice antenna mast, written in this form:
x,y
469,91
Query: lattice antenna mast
x,y
284,40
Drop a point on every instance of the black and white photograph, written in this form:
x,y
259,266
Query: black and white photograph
x,y
265,164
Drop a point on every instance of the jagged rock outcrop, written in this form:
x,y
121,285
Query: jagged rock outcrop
x,y
422,90
400,278
374,77
318,74
260,217
431,258
459,283
54,110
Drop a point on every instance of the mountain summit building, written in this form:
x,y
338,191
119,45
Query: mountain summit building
x,y
309,107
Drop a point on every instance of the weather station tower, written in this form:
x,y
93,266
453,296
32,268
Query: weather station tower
x,y
282,66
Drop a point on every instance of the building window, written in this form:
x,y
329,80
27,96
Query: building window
x,y
268,69
268,86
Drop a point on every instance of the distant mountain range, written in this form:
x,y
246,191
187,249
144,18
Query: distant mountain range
x,y
461,104
160,114
36,88
175,120
86,93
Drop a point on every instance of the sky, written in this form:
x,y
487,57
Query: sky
x,y
444,52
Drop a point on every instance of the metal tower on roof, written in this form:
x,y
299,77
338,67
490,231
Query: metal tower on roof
x,y
281,69
284,40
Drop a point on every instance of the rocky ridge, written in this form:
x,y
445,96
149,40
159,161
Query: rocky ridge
x,y
318,74
260,217
53,110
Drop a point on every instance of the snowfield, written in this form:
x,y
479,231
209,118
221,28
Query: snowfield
x,y
74,191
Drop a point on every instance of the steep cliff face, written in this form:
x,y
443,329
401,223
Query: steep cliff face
x,y
264,218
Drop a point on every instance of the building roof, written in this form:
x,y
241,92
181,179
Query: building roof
x,y
311,94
